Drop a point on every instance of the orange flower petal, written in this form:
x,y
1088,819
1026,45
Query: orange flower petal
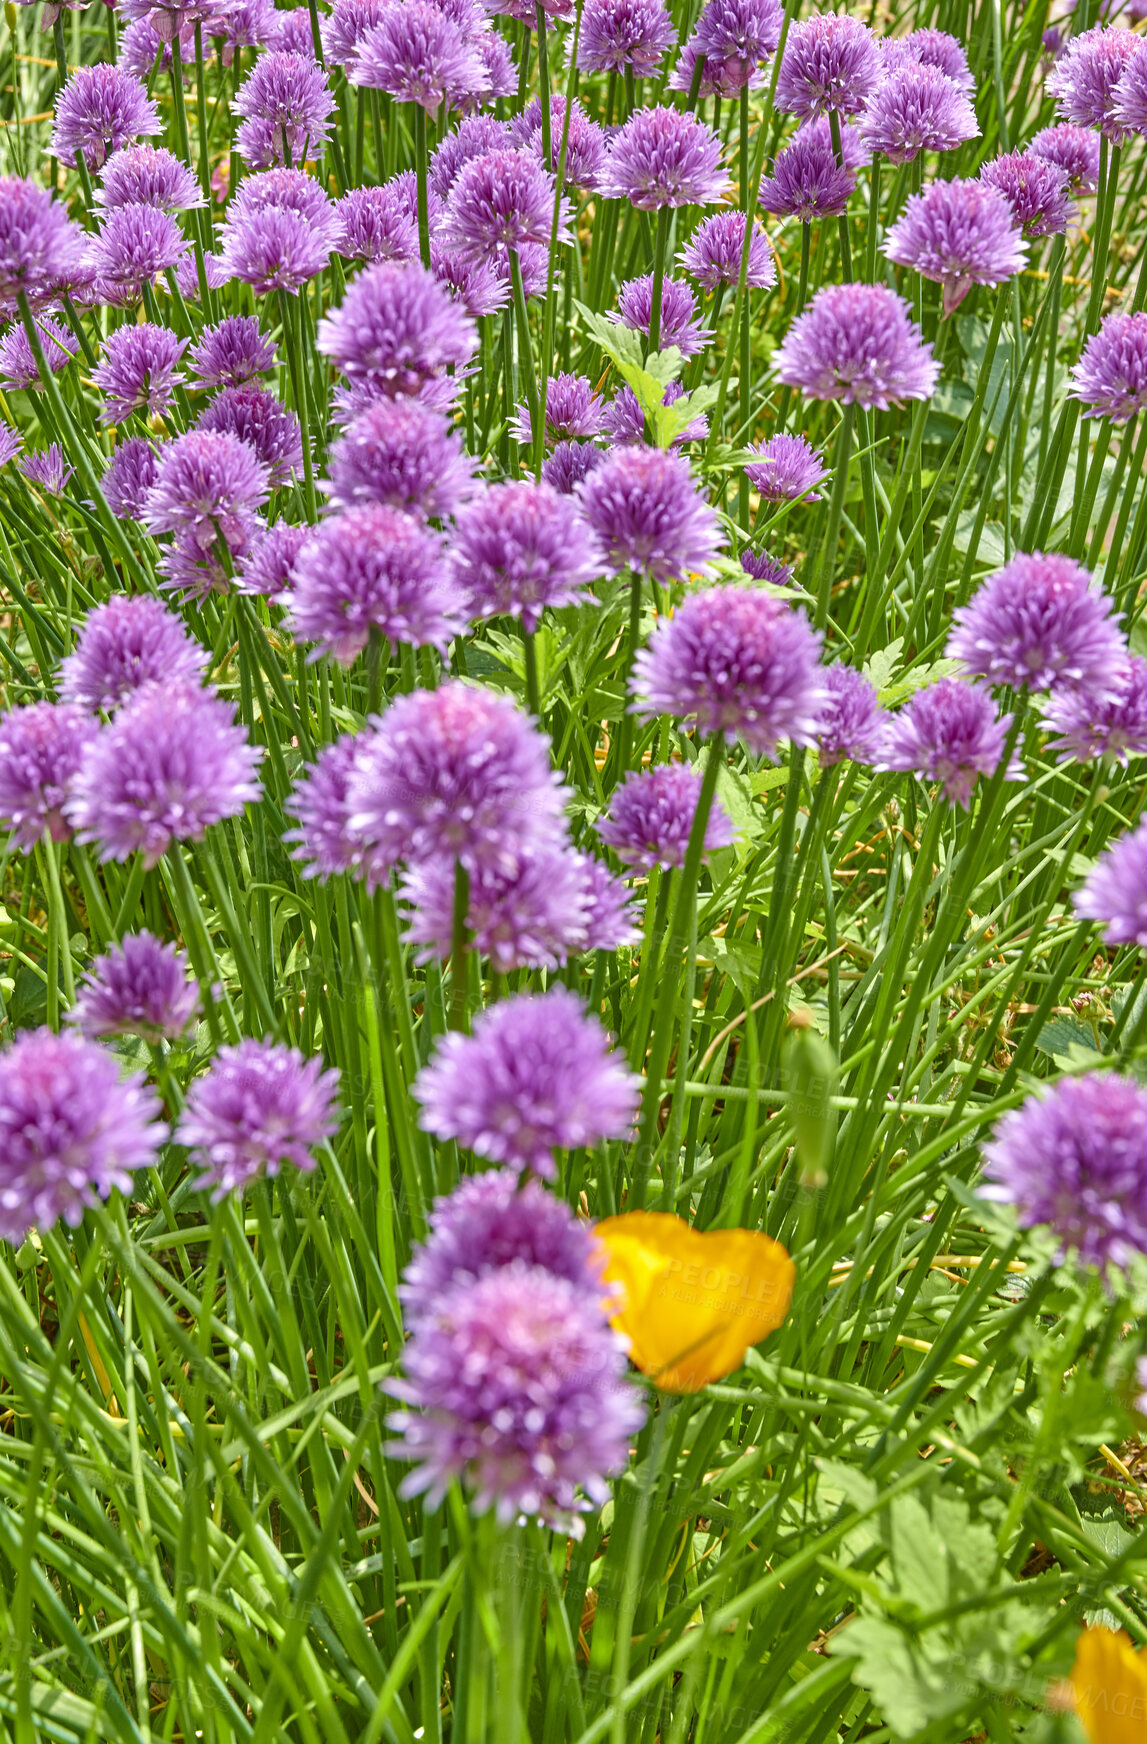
x,y
1109,1684
692,1301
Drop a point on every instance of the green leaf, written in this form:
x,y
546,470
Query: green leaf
x,y
1061,1034
909,1687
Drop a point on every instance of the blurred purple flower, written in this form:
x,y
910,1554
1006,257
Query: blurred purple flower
x,y
41,748
857,344
920,109
268,567
1111,375
948,733
47,468
789,467
586,142
373,568
417,54
139,987
937,48
734,37
264,423
569,464
129,476
651,814
208,485
396,331
1115,890
497,204
1092,726
531,915
852,722
762,567
1075,150
402,453
320,805
1035,189
129,641
1086,78
41,250
375,224
521,546
18,367
132,247
345,27
474,136
147,175
258,1106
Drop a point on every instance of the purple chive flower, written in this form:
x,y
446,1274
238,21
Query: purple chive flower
x,y
320,805
169,17
138,371
418,54
623,420
232,352
71,1129
789,467
680,323
647,513
664,157
188,570
268,568
621,34
610,918
497,204
1111,375
857,344
285,105
11,443
1035,189
133,246
375,224
491,1221
536,1076
474,136
139,987
936,48
373,569
949,734
807,182
574,412
1089,726
396,331
517,1385
172,763
919,109
40,248
129,641
256,24
499,73
129,476
41,748
519,547
712,254
586,142
264,423
403,453
18,367
652,812
258,1106
733,37
960,234
738,662
1075,150
98,110
140,43
285,189
1041,624
1074,1158
147,175
456,772
343,29
830,62
531,915
279,231
569,464
47,468
1086,79
479,287
852,722
1115,891
762,567
208,486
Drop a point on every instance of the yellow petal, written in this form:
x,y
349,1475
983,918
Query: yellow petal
x,y
692,1301
1109,1684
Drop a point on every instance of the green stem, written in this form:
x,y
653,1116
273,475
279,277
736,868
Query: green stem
x,y
458,946
841,456
659,244
421,168
525,349
299,390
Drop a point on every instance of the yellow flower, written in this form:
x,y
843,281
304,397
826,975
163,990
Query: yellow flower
x,y
692,1301
1109,1684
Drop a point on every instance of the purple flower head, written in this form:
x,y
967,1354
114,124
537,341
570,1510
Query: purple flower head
x,y
1035,189
610,918
498,203
71,1129
1053,42
172,763
138,371
526,13
712,254
18,367
491,1221
1089,726
403,453
623,420
516,1385
169,18
320,805
288,190
99,109
680,323
140,43
621,34
133,246
536,1076
936,48
273,248
789,467
187,275
256,24
519,547
285,105
762,567
734,37
949,734
1074,1158
585,143
232,352
11,443
852,721
499,73
208,486
533,914
41,748
919,109
569,464
857,344
268,568
738,662
648,514
1086,79
396,331
830,62
807,182
1115,891
129,641
259,1105
474,136
40,248
47,468
418,54
264,423
664,157
373,568
574,412
139,987
1041,624
652,812
147,175
1111,375
719,78
960,234
375,224
1075,150
346,26
129,476
456,772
